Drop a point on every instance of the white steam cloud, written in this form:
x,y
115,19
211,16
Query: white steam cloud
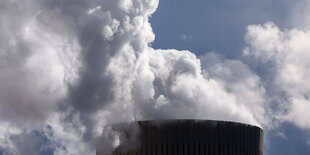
x,y
287,53
69,68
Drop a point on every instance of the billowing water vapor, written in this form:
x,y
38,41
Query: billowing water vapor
x,y
70,68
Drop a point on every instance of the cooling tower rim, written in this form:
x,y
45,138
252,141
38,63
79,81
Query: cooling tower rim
x,y
186,120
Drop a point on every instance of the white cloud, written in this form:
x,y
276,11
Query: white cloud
x,y
288,52
282,135
70,68
237,79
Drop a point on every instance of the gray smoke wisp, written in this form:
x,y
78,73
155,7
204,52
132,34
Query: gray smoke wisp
x,y
70,68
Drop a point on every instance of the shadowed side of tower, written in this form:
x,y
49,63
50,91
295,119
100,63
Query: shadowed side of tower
x,y
190,137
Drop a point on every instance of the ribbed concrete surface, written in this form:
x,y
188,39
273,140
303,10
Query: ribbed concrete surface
x,y
191,137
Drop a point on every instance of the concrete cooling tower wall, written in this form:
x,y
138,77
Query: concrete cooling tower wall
x,y
189,137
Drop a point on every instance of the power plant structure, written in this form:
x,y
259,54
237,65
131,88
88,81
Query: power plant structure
x,y
189,137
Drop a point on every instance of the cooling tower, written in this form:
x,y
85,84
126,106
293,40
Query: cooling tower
x,y
189,137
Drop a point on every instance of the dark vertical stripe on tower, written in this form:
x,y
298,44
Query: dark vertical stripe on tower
x,y
193,137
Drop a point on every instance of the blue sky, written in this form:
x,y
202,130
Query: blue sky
x,y
214,25
219,26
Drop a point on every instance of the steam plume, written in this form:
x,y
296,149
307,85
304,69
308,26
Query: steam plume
x,y
70,68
